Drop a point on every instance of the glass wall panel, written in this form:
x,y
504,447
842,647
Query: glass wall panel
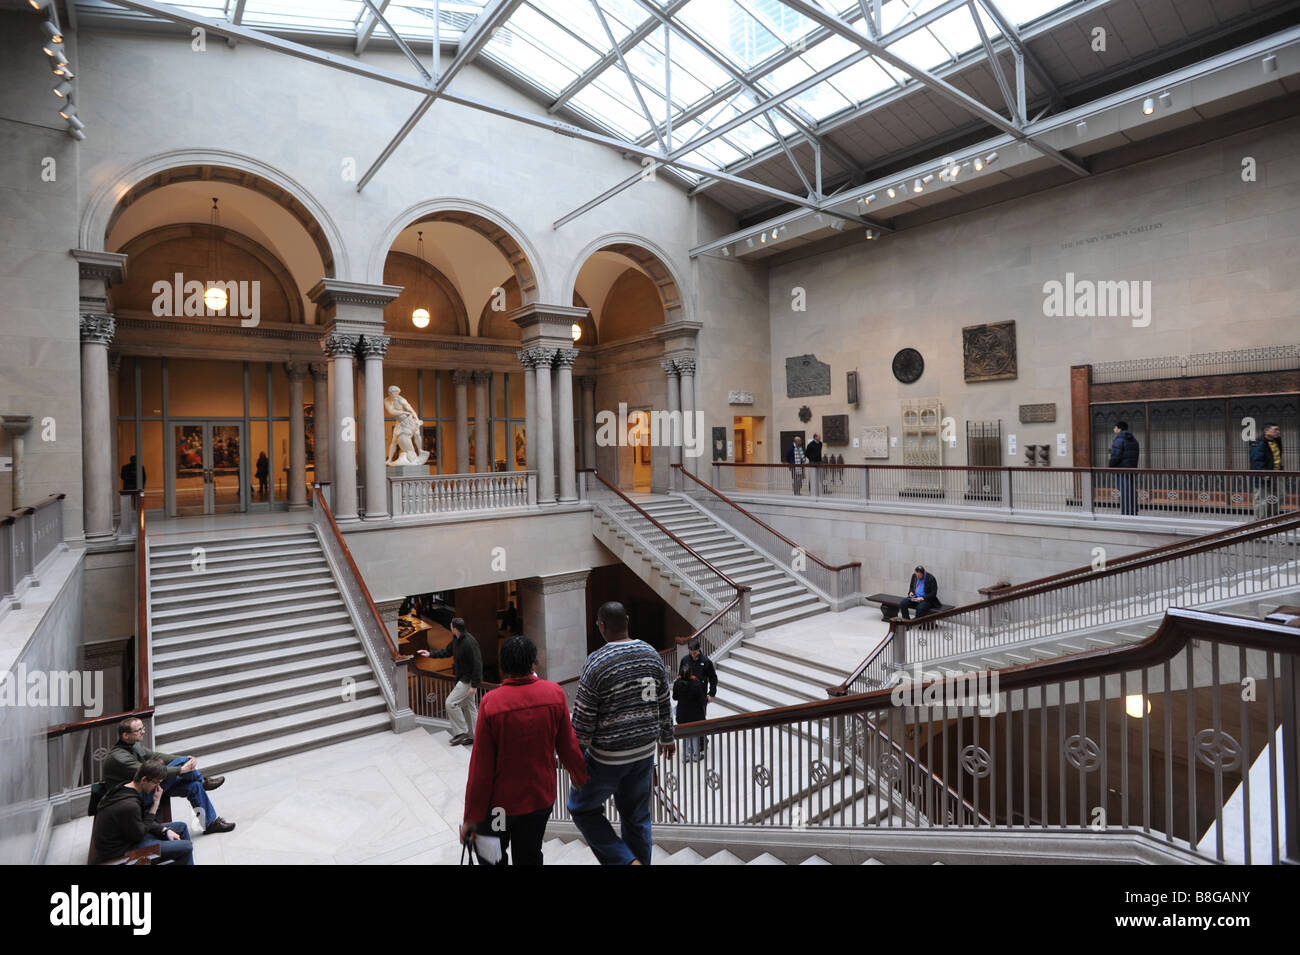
x,y
126,387
257,388
151,388
152,459
207,389
280,460
126,478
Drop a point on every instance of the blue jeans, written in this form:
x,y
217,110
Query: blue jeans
x,y
691,747
179,851
189,785
629,784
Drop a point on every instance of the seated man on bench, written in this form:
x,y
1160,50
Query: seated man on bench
x,y
922,594
127,818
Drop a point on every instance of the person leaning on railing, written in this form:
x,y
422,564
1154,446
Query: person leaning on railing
x,y
1266,455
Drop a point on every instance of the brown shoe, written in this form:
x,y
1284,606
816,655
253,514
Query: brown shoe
x,y
218,825
467,741
213,782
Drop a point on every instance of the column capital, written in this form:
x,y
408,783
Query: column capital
x,y
482,374
536,357
565,357
97,327
338,345
460,376
296,370
373,346
685,366
16,424
319,370
107,267
670,366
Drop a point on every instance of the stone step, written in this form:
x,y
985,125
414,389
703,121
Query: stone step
x,y
251,661
249,549
165,546
753,674
290,619
687,856
185,707
769,621
170,726
756,654
203,650
765,596
814,860
225,568
199,593
197,613
273,725
235,754
765,858
723,857
801,599
185,685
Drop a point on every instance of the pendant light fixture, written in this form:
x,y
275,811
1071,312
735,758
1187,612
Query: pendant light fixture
x,y
214,297
576,331
420,316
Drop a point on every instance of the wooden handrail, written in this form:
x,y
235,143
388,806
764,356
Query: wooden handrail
x,y
64,728
142,696
673,537
361,581
1011,467
763,524
1178,628
448,678
843,688
49,499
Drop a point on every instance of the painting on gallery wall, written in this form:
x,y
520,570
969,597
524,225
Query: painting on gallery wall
x,y
430,436
521,446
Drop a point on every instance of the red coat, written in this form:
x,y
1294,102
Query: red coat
x,y
522,725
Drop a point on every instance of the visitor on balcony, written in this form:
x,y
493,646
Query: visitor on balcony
x,y
694,689
1266,455
796,457
622,715
1124,453
814,454
183,777
467,666
127,818
522,726
922,595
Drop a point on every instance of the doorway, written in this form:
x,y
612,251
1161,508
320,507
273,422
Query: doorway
x,y
206,470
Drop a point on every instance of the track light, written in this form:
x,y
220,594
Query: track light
x,y
928,178
75,123
871,233
68,110
891,192
869,199
59,60
50,48
52,32
749,243
917,187
1081,128
990,159
1148,106
1166,99
1270,63
64,72
63,89
726,252
77,134
763,239
38,4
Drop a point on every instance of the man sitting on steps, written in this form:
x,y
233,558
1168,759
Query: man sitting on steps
x,y
183,779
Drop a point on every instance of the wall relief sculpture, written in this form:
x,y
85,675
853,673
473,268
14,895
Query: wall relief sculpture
x,y
835,429
989,351
806,376
908,365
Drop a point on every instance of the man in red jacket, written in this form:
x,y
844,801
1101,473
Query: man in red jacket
x,y
522,726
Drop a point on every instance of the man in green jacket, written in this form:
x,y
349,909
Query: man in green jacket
x,y
183,779
467,665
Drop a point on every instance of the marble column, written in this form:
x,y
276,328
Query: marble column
x,y
114,367
96,444
686,370
566,447
542,358
482,418
530,409
372,349
320,422
587,384
674,439
554,614
16,425
343,439
297,372
461,380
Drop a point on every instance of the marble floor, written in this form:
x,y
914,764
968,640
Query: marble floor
x,y
380,800
837,640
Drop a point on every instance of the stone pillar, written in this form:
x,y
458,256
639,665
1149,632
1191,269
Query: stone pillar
x,y
388,610
686,369
297,372
374,456
542,358
482,421
114,366
16,425
530,409
461,380
587,384
674,412
554,614
566,449
343,441
320,423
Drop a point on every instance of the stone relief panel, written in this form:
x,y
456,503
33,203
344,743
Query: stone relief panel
x,y
806,376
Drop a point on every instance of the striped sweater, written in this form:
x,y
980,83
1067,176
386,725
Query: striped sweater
x,y
622,709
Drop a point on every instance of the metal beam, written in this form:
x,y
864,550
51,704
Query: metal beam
x,y
378,16
627,71
1012,33
925,77
366,30
996,67
236,17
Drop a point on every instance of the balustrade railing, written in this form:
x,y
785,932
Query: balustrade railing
x,y
841,583
76,751
428,692
28,535
1093,493
718,635
449,493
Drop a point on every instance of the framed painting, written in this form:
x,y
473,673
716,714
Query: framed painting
x,y
430,435
521,446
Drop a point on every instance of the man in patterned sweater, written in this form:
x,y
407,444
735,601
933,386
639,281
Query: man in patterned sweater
x,y
622,715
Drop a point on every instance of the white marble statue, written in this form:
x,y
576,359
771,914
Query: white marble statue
x,y
408,431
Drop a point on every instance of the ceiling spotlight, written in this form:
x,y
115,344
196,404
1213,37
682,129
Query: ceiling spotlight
x,y
775,233
979,163
990,159
76,134
63,89
1166,99
1270,63
954,170
871,233
68,110
39,4
869,199
1081,127
928,178
1148,106
749,243
75,123
64,72
891,192
52,32
917,187
53,49
726,252
762,238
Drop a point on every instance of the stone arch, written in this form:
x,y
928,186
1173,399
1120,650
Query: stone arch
x,y
495,324
136,288
188,165
397,312
655,262
508,238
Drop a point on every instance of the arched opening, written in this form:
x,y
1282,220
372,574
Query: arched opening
x,y
494,321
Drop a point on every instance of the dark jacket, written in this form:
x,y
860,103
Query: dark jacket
x,y
122,822
789,454
1124,451
814,452
1261,455
697,680
122,761
931,587
466,660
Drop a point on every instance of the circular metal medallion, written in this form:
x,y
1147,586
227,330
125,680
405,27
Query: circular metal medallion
x,y
713,780
1083,753
908,365
1218,750
976,761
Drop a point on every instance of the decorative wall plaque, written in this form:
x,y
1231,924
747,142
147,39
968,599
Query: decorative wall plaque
x,y
835,429
805,414
852,387
806,376
989,351
719,444
740,397
1038,414
875,441
922,420
908,365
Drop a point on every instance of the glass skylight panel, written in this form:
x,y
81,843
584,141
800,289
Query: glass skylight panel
x,y
717,153
330,15
609,111
957,31
829,52
578,16
1025,11
514,50
786,24
863,80
537,30
920,49
214,11
821,101
731,30
753,136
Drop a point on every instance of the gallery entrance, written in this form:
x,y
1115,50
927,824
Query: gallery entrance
x,y
206,468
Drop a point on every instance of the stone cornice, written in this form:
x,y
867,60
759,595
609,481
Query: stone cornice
x,y
334,292
110,267
557,583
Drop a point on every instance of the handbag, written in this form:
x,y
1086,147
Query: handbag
x,y
468,852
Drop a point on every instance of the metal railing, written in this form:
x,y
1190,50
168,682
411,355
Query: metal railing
x,y
1093,493
388,663
428,692
76,751
28,535
717,636
449,493
841,583
1156,740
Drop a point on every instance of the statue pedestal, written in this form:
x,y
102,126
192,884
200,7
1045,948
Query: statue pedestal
x,y
408,470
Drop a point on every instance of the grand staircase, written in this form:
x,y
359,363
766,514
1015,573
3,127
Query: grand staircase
x,y
254,653
576,852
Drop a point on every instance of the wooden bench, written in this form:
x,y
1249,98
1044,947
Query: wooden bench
x,y
889,604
